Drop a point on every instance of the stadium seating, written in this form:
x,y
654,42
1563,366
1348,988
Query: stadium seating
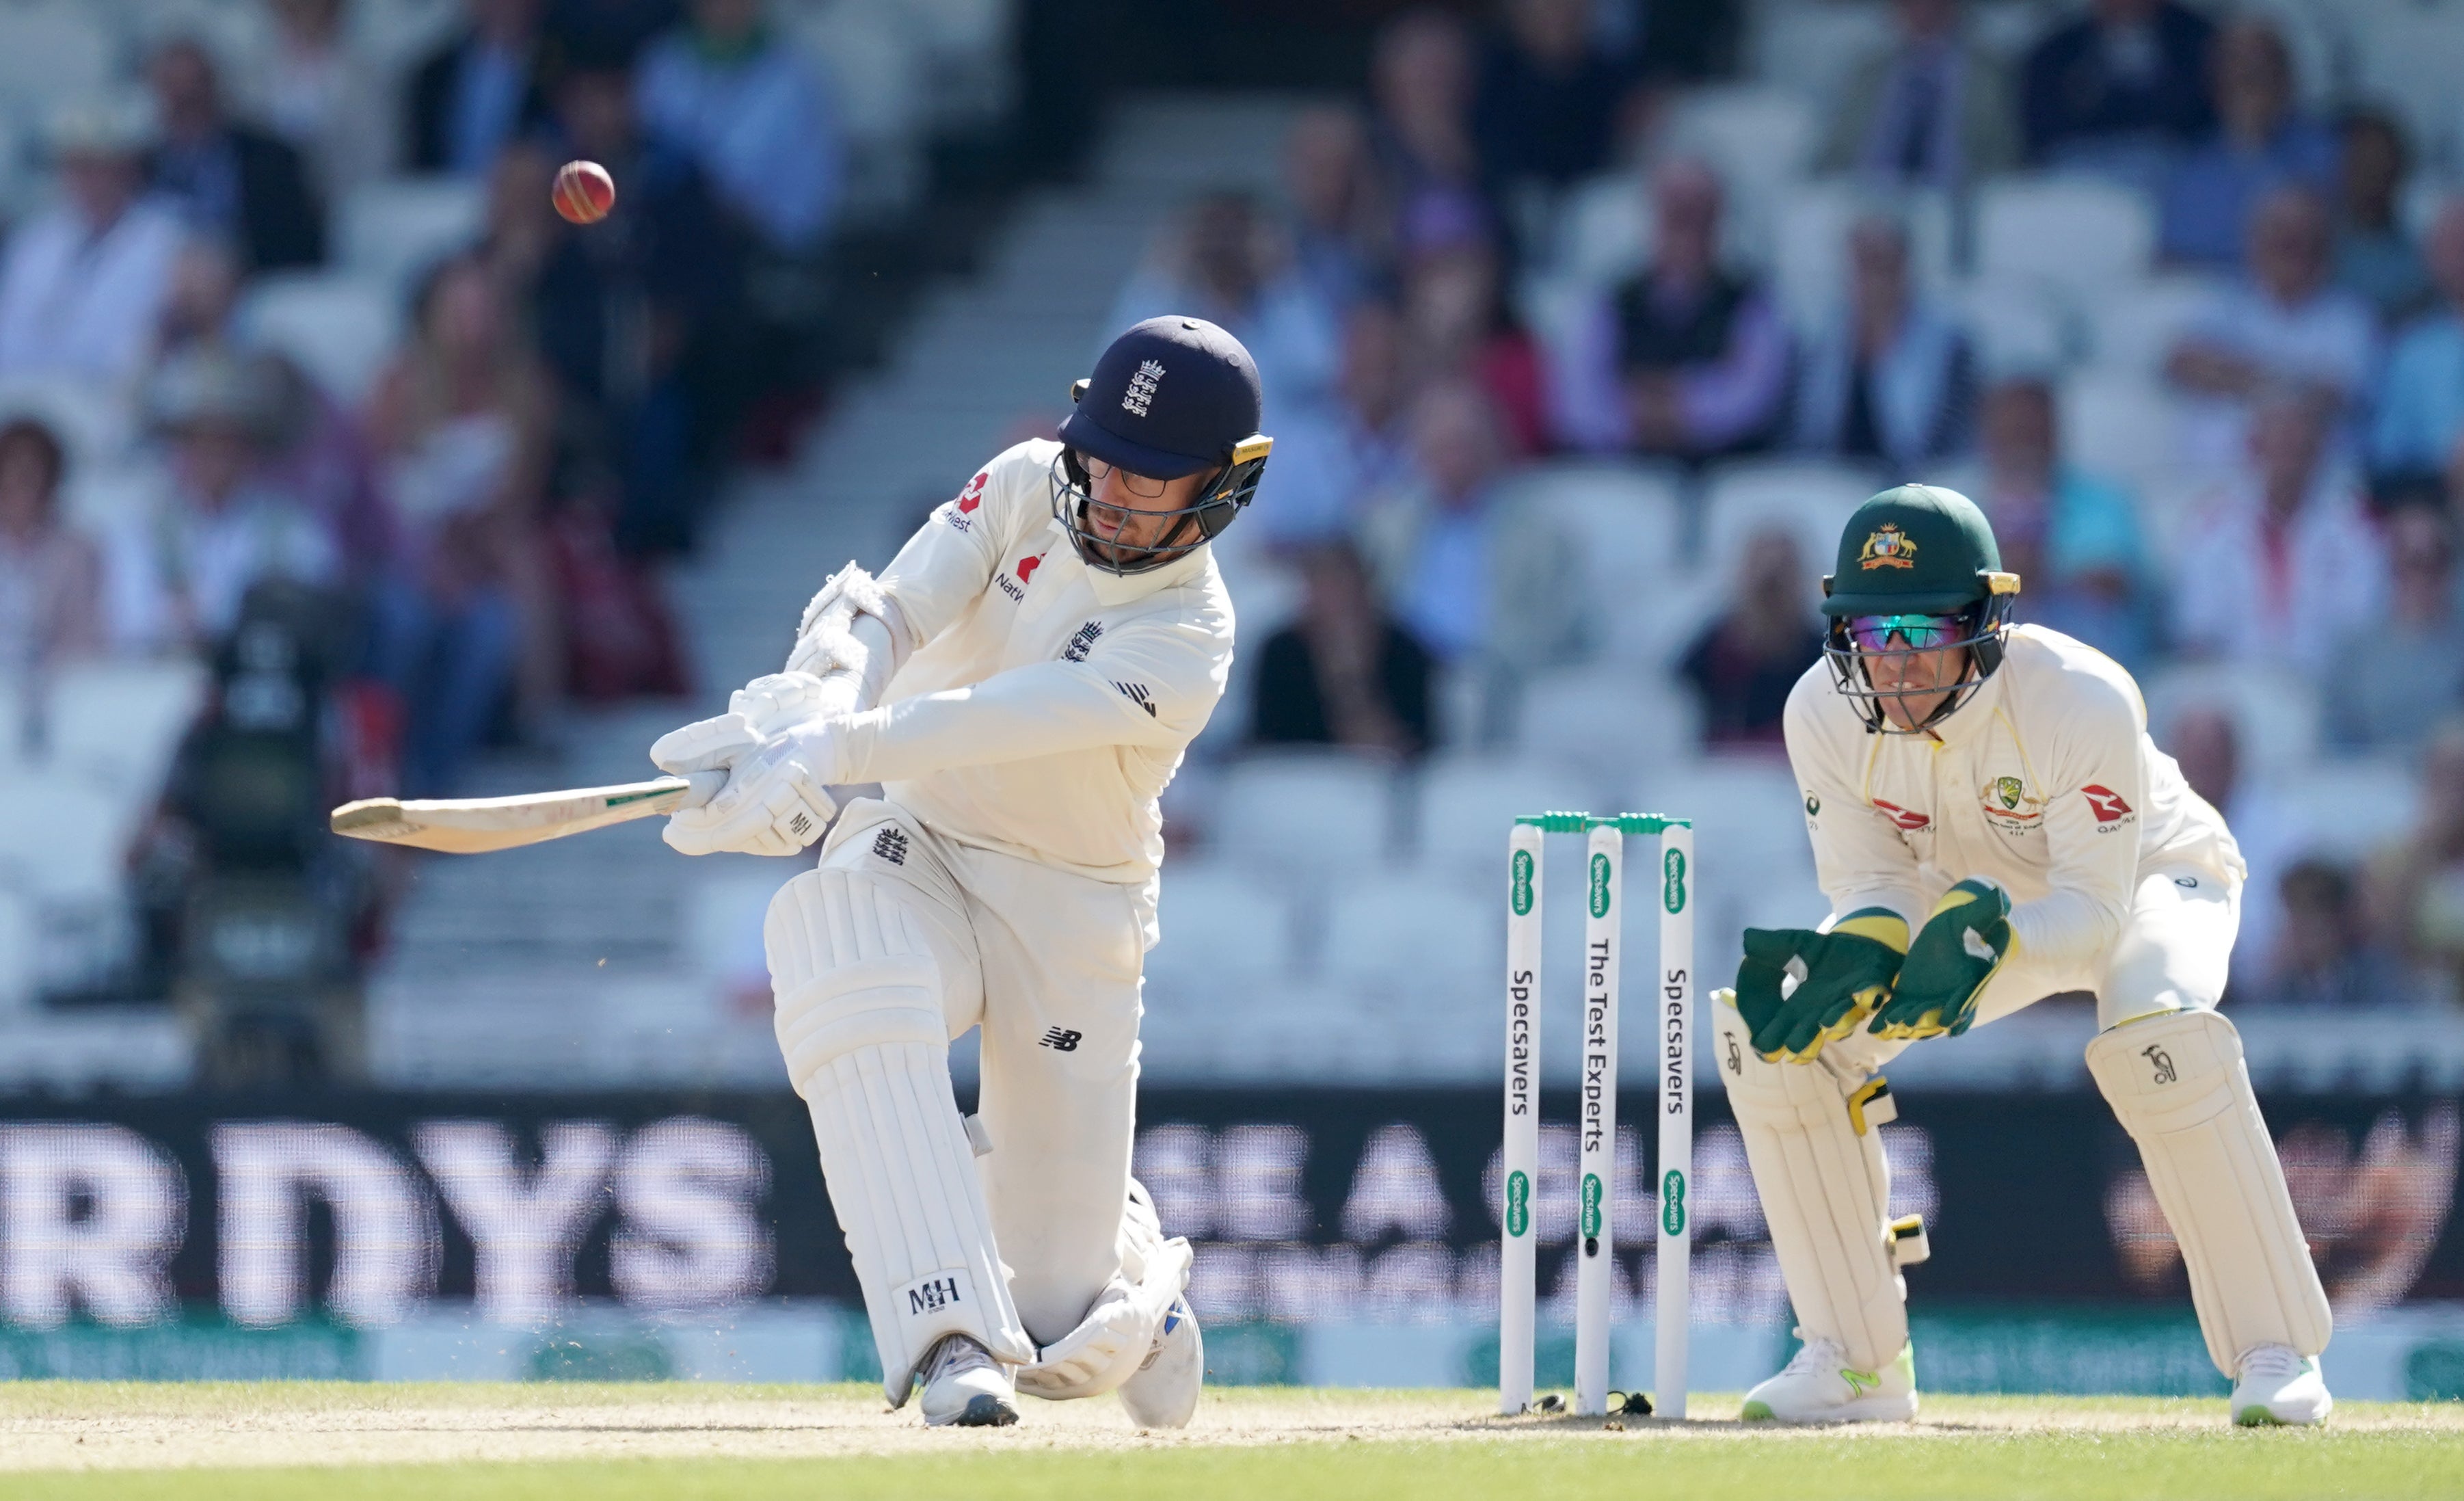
x,y
1315,817
393,230
2081,234
338,325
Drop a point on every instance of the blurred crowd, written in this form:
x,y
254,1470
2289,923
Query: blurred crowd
x,y
304,384
1549,234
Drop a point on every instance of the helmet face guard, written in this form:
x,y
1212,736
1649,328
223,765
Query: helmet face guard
x,y
1855,642
1218,501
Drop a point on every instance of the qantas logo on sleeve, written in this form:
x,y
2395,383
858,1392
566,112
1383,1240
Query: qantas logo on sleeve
x,y
1902,817
2105,802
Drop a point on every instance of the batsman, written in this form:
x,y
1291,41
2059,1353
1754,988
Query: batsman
x,y
1993,825
1022,680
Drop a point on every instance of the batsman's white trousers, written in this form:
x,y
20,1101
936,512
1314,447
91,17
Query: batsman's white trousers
x,y
1047,963
2167,1062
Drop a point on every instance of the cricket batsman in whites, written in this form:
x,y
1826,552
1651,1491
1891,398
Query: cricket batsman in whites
x,y
1022,680
1993,826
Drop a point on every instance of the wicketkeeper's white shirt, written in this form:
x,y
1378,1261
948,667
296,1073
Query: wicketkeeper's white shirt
x,y
1048,703
2046,781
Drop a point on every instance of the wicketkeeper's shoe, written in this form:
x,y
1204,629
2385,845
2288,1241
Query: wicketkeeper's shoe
x,y
1162,1393
2275,1385
1818,1385
965,1387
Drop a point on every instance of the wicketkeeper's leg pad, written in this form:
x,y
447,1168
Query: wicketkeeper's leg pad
x,y
2177,1083
859,1018
1814,1140
1120,1331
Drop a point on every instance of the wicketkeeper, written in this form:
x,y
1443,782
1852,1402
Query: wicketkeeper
x,y
1022,680
1993,825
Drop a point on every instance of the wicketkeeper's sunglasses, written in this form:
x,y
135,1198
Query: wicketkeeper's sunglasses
x,y
1915,633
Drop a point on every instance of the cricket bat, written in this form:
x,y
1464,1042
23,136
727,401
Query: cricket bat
x,y
474,825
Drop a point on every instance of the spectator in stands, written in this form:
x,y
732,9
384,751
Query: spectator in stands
x,y
51,576
2282,324
2325,953
204,294
608,28
2260,144
1484,581
1893,380
229,179
1334,456
630,312
2120,89
1549,96
1743,665
752,111
1686,359
83,281
1342,229
1344,673
1459,321
2282,566
1934,110
1222,262
315,91
476,91
175,577
2375,258
2416,887
1421,90
460,421
2072,537
2420,412
316,451
2400,674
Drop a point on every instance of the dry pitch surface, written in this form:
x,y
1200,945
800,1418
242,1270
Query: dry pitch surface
x,y
616,1443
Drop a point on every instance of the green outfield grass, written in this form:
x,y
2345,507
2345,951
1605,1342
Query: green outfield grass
x,y
175,1442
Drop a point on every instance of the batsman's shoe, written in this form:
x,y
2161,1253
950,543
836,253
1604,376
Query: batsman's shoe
x,y
1163,1393
966,1388
1819,1386
2274,1386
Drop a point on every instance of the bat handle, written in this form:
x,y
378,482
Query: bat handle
x,y
705,787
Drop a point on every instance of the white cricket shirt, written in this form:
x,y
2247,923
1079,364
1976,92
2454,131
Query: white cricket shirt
x,y
2045,781
1046,703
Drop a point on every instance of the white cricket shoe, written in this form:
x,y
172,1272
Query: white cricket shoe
x,y
2274,1386
1162,1393
1818,1385
965,1387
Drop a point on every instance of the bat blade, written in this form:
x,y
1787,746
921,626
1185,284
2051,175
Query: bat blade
x,y
475,826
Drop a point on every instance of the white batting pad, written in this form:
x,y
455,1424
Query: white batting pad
x,y
1114,1339
1816,1147
859,1020
2177,1084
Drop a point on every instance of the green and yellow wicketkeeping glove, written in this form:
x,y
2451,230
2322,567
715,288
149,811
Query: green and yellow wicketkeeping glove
x,y
1840,977
1961,947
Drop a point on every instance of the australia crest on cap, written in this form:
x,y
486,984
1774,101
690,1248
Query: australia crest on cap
x,y
1887,547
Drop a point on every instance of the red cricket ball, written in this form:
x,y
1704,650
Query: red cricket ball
x,y
584,192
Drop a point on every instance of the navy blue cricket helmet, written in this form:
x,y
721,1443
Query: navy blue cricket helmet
x,y
1171,398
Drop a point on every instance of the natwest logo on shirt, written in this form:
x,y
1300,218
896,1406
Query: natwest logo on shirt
x,y
2105,802
1901,816
960,512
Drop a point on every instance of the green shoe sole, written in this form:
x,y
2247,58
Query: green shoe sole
x,y
2255,1418
1754,1412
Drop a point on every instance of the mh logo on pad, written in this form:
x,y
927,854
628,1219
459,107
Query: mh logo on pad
x,y
934,1293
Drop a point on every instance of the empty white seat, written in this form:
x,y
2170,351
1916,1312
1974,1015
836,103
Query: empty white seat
x,y
1812,48
1413,938
1628,522
123,720
50,55
2085,235
2135,326
61,837
2122,425
1467,804
1604,231
339,326
1753,860
393,230
91,419
20,938
2014,324
1311,813
1225,938
1810,244
1607,722
2274,712
1759,139
2412,56
1808,498
2363,805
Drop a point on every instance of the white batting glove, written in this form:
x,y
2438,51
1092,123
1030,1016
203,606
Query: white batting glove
x,y
782,701
775,802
